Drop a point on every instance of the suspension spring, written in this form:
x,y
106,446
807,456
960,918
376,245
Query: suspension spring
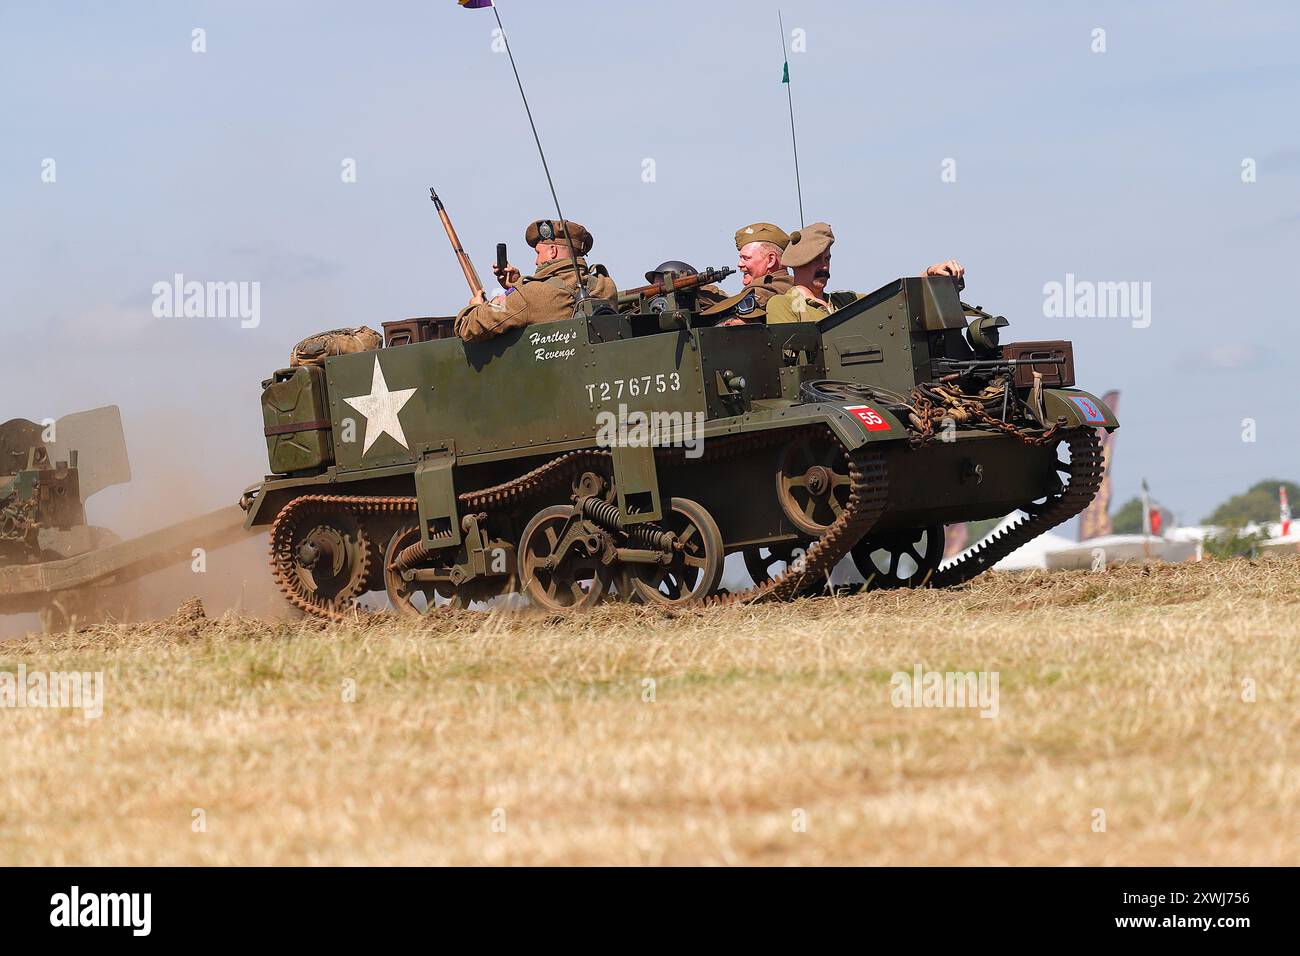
x,y
611,519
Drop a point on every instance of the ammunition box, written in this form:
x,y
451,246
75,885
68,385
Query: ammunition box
x,y
297,421
410,331
1054,360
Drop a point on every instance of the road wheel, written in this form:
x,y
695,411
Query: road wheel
x,y
554,580
696,567
414,598
904,559
813,483
767,561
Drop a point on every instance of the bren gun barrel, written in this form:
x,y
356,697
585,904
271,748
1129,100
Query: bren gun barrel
x,y
673,283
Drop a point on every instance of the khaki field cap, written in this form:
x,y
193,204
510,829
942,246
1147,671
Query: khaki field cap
x,y
807,244
549,230
761,232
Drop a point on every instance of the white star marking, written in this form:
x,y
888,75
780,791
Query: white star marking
x,y
380,408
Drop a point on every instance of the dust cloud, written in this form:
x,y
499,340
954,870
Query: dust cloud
x,y
177,476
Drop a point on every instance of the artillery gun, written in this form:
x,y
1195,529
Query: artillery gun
x,y
439,471
52,561
44,484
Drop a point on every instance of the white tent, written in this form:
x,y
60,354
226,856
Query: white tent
x,y
1121,549
1279,544
1275,542
1032,554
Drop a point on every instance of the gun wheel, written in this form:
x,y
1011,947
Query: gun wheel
x,y
556,577
696,568
904,559
60,614
81,607
813,483
320,559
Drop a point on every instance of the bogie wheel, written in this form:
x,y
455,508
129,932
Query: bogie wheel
x,y
813,483
904,559
696,567
414,598
320,558
553,580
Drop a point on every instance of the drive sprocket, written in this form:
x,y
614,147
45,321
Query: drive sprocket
x,y
320,557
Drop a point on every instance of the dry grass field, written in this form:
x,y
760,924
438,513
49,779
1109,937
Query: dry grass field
x,y
768,735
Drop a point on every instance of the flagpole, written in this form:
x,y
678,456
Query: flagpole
x,y
794,140
1146,520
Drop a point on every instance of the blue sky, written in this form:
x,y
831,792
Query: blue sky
x,y
225,165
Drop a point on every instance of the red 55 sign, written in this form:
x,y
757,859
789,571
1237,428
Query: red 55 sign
x,y
871,419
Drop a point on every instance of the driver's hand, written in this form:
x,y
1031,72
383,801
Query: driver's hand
x,y
731,322
949,268
508,277
478,298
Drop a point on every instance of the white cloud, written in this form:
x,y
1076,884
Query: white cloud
x,y
1225,357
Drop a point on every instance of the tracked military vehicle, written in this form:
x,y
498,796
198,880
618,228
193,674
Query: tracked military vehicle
x,y
439,471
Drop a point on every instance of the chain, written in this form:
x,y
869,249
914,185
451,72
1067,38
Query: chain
x,y
938,404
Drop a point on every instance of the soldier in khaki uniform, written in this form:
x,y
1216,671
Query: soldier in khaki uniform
x,y
548,295
760,246
809,255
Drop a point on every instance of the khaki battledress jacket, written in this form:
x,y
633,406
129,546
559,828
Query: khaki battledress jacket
x,y
548,295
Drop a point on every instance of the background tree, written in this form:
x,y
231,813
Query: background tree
x,y
1258,504
1233,543
1128,519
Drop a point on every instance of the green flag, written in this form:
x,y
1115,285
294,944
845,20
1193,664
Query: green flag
x,y
785,72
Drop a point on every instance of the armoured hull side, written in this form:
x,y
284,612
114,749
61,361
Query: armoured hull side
x,y
541,387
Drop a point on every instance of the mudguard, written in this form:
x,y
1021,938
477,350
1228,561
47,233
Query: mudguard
x,y
854,423
1078,407
263,501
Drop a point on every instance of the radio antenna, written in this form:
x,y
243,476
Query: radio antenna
x,y
794,140
577,268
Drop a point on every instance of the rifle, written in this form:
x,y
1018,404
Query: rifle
x,y
674,283
475,285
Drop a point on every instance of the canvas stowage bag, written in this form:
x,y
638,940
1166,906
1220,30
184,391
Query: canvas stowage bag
x,y
314,349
